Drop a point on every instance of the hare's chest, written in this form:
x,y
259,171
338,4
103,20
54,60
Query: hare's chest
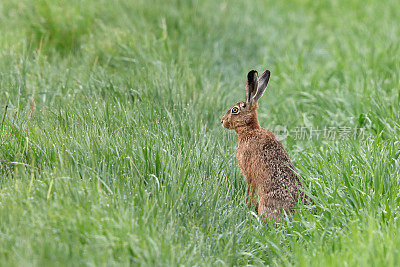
x,y
248,158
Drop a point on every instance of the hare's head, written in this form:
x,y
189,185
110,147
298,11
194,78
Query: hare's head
x,y
243,113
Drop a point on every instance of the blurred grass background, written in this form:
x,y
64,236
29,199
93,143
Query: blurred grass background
x,y
112,153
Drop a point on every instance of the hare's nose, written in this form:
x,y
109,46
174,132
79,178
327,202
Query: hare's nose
x,y
222,121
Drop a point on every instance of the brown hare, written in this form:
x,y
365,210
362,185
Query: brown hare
x,y
273,184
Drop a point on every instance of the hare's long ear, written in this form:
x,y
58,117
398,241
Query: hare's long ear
x,y
262,85
251,85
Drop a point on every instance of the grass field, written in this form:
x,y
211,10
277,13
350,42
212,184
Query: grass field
x,y
112,152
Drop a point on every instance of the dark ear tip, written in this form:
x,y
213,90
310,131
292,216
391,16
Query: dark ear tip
x,y
251,73
267,72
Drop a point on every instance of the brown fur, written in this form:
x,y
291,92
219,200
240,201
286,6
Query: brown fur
x,y
273,184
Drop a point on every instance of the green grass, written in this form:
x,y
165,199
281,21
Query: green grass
x,y
112,153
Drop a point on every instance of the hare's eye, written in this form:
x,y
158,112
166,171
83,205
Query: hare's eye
x,y
235,110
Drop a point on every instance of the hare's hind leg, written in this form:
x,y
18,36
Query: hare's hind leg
x,y
269,211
